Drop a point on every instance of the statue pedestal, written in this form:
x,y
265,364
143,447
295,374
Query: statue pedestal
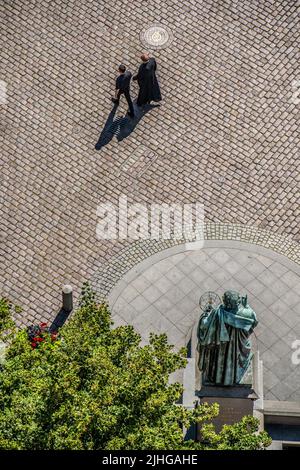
x,y
234,402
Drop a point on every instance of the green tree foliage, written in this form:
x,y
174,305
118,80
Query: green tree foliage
x,y
240,436
7,324
95,387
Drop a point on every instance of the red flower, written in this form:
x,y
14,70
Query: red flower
x,y
39,340
33,345
43,325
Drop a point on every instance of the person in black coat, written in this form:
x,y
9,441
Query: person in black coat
x,y
147,80
123,88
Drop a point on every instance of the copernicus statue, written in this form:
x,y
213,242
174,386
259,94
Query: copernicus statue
x,y
223,340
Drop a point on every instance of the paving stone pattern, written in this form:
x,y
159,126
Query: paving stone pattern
x,y
225,134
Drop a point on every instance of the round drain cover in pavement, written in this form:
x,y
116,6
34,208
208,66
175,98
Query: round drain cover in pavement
x,y
156,36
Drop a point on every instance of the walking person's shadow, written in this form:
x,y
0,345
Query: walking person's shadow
x,y
121,127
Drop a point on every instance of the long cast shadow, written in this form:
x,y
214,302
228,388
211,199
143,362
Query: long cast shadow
x,y
121,127
59,320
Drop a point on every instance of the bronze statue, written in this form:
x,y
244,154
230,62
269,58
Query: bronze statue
x,y
223,340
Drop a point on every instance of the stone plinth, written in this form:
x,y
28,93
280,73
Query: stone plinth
x,y
234,402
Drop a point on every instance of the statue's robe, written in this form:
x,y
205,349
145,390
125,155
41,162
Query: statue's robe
x,y
224,346
148,83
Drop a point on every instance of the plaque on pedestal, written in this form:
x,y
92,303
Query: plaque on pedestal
x,y
234,403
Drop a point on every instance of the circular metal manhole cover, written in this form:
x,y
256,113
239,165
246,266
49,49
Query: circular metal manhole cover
x,y
156,36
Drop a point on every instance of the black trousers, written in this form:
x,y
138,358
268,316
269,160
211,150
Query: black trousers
x,y
126,93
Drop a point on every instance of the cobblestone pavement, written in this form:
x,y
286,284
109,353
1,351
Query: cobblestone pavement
x,y
225,134
161,294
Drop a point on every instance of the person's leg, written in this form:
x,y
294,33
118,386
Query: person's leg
x,y
129,101
117,99
139,100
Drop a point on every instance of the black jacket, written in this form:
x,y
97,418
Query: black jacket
x,y
123,81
